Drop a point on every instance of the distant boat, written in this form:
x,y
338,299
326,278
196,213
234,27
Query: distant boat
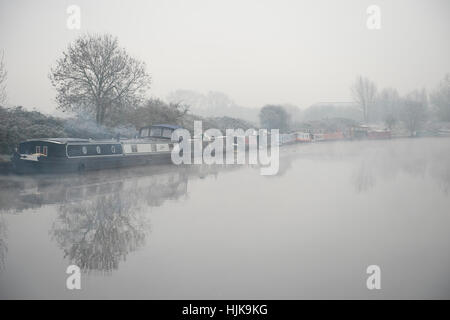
x,y
366,132
51,155
338,135
304,136
444,132
379,134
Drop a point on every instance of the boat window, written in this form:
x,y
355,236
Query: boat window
x,y
38,149
133,148
167,133
45,150
155,132
99,150
84,150
144,132
113,149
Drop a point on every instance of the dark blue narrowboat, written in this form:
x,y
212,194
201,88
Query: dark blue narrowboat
x,y
51,155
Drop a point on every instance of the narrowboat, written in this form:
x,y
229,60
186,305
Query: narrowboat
x,y
153,145
331,136
359,132
317,137
304,136
379,134
287,138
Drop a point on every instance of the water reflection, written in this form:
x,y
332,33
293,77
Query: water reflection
x,y
97,234
154,185
3,247
100,222
101,216
422,159
363,178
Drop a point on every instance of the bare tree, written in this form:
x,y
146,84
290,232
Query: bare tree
x,y
388,104
364,92
414,111
152,111
3,75
95,75
441,99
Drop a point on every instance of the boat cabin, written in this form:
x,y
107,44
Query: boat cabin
x,y
53,147
158,131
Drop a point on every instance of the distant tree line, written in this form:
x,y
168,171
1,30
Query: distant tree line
x,y
440,99
412,110
370,105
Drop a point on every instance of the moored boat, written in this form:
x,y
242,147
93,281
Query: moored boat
x,y
49,155
379,134
331,136
304,136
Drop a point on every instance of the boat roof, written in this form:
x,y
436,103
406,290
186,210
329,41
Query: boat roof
x,y
169,126
58,140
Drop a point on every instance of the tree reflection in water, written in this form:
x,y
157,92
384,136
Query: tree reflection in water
x,y
417,158
363,178
101,216
100,222
97,234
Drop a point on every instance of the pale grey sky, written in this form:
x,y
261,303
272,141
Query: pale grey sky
x,y
256,51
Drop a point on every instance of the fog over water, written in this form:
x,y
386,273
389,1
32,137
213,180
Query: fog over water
x,y
228,232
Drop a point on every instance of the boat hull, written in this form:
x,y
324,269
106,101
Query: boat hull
x,y
48,165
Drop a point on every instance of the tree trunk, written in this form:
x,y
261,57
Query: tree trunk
x,y
102,114
97,113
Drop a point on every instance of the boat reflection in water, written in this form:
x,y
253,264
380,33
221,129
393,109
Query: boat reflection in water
x,y
101,216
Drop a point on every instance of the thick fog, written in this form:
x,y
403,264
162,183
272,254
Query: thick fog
x,y
148,170
257,52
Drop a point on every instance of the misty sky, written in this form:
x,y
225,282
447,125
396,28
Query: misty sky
x,y
256,51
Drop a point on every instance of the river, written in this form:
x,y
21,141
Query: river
x,y
228,232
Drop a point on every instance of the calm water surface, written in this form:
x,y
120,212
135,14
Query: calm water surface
x,y
222,232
